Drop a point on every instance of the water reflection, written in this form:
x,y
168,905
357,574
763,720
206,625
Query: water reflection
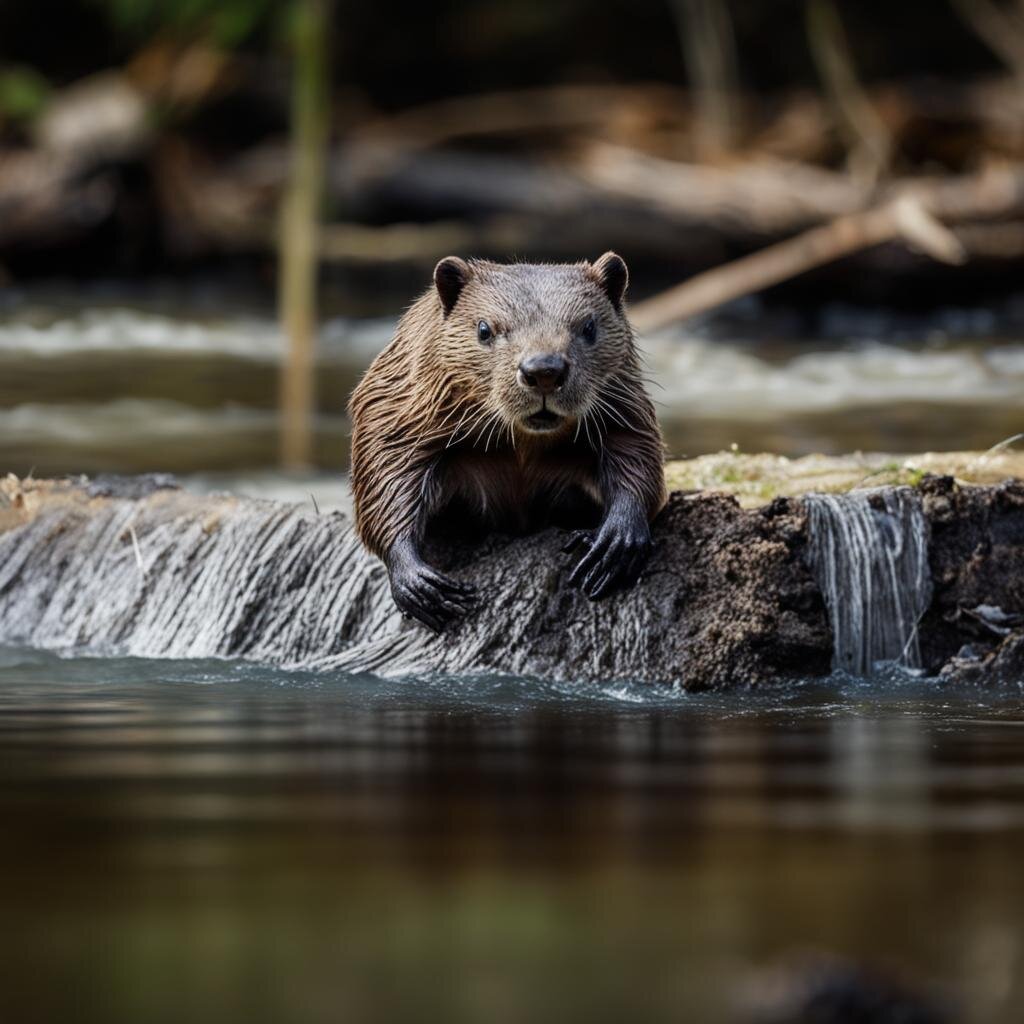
x,y
215,841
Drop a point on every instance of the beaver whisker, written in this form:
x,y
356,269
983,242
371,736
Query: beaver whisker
x,y
613,396
600,424
432,432
624,400
454,438
494,425
477,427
606,406
614,386
451,439
631,398
623,413
586,429
611,406
488,421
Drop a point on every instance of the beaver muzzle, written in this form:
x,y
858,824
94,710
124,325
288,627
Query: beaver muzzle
x,y
543,420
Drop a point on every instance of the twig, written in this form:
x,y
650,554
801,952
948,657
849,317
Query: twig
x,y
922,231
769,266
866,134
1005,443
709,49
1001,29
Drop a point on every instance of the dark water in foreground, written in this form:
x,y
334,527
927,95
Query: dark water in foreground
x,y
216,842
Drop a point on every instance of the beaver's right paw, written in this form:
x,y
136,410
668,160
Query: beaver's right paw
x,y
430,597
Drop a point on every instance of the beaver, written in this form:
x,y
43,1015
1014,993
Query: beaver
x,y
514,392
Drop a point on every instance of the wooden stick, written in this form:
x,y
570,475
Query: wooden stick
x,y
915,213
904,218
1001,28
867,137
769,266
709,50
924,232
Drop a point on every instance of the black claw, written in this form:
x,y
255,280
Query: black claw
x,y
455,587
608,566
430,622
589,561
449,585
577,538
615,555
414,610
423,594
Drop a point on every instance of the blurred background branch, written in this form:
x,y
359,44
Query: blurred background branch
x,y
709,49
1001,26
300,216
865,134
160,142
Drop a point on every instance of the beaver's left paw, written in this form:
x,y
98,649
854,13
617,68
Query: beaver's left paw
x,y
615,556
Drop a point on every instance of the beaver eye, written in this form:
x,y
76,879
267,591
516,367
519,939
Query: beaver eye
x,y
484,331
588,330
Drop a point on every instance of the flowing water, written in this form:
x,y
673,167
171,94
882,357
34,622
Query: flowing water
x,y
869,553
89,383
213,840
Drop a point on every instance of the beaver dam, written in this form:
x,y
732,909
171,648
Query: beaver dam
x,y
930,576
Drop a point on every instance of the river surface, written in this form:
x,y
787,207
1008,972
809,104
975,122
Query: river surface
x,y
223,842
220,842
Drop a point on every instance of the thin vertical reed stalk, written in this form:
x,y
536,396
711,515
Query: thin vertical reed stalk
x,y
299,227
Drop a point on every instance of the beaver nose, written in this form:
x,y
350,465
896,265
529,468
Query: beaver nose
x,y
544,373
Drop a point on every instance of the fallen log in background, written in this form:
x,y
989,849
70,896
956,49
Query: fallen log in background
x,y
917,214
145,569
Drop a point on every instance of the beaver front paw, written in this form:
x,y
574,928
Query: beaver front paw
x,y
614,556
428,596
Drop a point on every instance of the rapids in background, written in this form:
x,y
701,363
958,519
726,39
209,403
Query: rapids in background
x,y
110,380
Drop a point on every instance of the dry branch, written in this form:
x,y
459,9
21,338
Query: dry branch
x,y
607,110
770,266
1002,28
867,136
914,214
757,197
709,49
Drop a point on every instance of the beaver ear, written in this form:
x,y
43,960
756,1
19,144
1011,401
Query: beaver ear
x,y
450,277
613,277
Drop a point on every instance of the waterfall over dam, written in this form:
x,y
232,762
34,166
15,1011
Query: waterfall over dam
x,y
732,597
725,601
868,550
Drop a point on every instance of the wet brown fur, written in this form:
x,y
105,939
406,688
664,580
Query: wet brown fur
x,y
438,415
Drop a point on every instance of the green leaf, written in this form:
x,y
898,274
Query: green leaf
x,y
23,93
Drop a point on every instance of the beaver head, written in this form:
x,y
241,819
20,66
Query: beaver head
x,y
542,344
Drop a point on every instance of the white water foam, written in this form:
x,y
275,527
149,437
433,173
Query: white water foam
x,y
869,553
